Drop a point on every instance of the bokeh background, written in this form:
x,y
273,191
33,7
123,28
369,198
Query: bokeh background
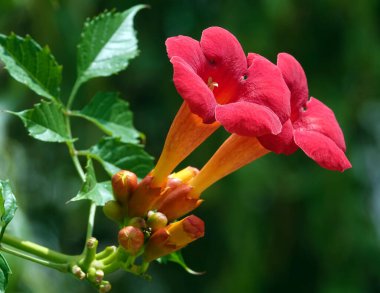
x,y
281,224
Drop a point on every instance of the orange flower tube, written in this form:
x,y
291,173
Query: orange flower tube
x,y
236,152
186,133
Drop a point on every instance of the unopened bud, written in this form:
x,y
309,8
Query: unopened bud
x,y
185,175
91,274
178,202
92,242
173,237
77,271
131,239
137,222
123,184
156,220
114,211
105,287
99,275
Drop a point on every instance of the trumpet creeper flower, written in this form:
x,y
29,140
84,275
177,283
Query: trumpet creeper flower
x,y
220,86
312,125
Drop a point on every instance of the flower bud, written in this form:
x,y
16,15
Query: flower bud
x,y
123,184
105,287
178,202
156,220
114,211
144,198
173,237
137,222
131,239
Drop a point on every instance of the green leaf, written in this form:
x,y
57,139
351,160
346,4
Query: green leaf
x,y
107,44
5,271
177,257
46,122
112,115
115,155
8,205
31,65
98,192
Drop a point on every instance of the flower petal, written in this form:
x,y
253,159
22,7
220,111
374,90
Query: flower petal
x,y
295,79
223,50
282,143
248,119
320,118
193,90
188,50
321,149
263,84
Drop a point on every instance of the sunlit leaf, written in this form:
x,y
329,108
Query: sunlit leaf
x,y
115,155
31,65
8,205
45,122
112,115
98,192
177,257
5,271
107,45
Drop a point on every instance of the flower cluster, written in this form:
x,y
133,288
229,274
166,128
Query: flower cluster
x,y
265,107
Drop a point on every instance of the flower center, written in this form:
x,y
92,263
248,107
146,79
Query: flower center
x,y
211,84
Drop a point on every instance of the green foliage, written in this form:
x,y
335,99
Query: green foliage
x,y
112,115
8,205
114,155
46,122
108,43
177,258
31,65
98,192
4,273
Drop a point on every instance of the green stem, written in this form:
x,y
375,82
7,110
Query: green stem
x,y
73,94
62,267
37,250
90,225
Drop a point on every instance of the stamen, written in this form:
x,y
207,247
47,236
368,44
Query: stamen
x,y
211,84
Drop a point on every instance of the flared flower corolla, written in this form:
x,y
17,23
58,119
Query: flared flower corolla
x,y
220,86
312,126
248,96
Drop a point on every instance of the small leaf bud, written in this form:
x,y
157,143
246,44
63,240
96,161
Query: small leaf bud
x,y
156,220
131,239
123,184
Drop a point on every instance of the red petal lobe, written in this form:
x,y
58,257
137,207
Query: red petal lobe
x,y
265,85
188,50
193,90
247,119
295,79
320,118
322,150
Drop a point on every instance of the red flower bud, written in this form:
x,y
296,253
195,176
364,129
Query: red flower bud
x,y
156,220
123,184
131,239
173,237
114,211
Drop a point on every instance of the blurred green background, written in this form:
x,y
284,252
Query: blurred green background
x,y
282,224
